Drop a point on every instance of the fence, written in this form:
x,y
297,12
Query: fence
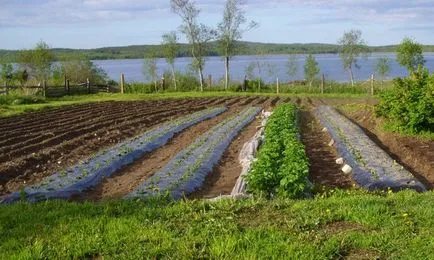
x,y
66,89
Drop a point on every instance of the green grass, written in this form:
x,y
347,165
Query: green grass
x,y
397,226
10,110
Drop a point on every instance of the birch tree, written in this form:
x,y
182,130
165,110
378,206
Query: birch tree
x,y
198,35
170,49
352,46
230,31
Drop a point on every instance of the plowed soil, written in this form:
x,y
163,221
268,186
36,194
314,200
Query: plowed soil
x,y
36,145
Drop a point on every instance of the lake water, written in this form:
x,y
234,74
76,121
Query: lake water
x,y
330,65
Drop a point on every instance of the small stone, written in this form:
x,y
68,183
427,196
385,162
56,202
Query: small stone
x,y
340,161
347,169
324,130
332,142
59,162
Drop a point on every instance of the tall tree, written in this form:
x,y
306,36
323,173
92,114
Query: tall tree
x,y
292,66
198,35
230,31
311,69
352,46
37,62
383,68
150,69
171,49
410,54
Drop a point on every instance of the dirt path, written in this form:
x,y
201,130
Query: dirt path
x,y
323,170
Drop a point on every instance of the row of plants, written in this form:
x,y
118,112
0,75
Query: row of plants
x,y
187,171
89,173
282,167
372,168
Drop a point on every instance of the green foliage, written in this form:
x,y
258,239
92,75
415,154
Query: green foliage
x,y
37,62
6,72
409,105
311,69
352,46
383,67
150,68
282,166
410,54
17,99
292,66
78,71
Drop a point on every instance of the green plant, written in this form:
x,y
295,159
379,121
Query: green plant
x,y
410,54
282,166
409,105
311,69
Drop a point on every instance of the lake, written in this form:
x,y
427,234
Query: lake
x,y
330,65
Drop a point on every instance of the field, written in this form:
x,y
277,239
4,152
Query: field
x,y
35,145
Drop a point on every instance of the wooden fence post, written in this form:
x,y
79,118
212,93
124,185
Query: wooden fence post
x,y
44,88
67,87
65,83
122,83
88,85
322,83
163,83
277,86
372,84
209,80
6,88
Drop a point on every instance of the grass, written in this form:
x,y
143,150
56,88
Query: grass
x,y
49,103
330,226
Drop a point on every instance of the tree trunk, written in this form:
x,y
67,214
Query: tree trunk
x,y
351,77
201,79
174,76
226,73
155,85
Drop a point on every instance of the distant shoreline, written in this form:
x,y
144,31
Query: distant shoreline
x,y
248,48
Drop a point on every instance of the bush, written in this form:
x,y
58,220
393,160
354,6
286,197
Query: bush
x,y
282,166
409,105
139,88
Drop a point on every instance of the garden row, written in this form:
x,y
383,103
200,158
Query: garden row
x,y
371,167
281,167
34,145
88,174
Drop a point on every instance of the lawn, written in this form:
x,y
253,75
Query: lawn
x,y
332,225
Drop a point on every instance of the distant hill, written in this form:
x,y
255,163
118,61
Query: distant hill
x,y
248,48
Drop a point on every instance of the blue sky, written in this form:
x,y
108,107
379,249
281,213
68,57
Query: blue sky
x,y
101,23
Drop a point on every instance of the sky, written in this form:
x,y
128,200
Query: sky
x,y
103,23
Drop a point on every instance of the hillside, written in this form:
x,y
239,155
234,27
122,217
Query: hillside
x,y
248,48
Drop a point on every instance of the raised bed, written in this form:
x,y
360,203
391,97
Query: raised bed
x,y
63,185
281,167
187,171
372,168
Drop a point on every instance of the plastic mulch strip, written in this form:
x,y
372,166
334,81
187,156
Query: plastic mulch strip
x,y
372,168
187,171
84,175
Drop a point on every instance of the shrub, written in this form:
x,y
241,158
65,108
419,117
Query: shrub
x,y
409,105
282,166
15,99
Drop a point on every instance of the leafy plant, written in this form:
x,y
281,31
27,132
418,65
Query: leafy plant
x,y
282,166
409,105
